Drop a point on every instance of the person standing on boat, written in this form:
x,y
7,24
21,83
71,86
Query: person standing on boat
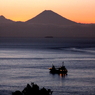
x,y
53,67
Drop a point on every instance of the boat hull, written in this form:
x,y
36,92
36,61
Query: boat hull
x,y
58,71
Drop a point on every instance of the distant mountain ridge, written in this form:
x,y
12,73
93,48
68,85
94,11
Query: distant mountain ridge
x,y
45,17
4,20
46,24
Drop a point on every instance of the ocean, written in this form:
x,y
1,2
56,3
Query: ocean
x,y
26,60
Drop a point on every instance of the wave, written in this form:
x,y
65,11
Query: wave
x,y
86,50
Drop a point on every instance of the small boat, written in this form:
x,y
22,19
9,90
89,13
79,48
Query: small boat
x,y
60,70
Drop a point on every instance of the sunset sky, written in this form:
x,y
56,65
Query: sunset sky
x,y
82,11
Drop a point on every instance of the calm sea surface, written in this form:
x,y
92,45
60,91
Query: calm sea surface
x,y
24,61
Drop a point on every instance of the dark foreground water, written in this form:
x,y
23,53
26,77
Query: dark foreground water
x,y
24,61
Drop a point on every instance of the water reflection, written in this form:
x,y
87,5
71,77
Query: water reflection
x,y
62,75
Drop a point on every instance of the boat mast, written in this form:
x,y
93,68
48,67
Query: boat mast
x,y
63,63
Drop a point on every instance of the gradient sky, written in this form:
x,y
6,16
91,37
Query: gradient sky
x,y
82,11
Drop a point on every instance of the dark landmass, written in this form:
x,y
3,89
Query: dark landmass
x,y
49,37
4,20
46,24
33,89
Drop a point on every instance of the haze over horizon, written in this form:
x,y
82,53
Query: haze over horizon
x,y
80,11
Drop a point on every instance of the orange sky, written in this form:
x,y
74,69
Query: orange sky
x,y
82,11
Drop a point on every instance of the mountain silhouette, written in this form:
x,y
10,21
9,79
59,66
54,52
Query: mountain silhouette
x,y
4,20
50,17
46,24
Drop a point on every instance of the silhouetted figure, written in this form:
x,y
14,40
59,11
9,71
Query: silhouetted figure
x,y
53,67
